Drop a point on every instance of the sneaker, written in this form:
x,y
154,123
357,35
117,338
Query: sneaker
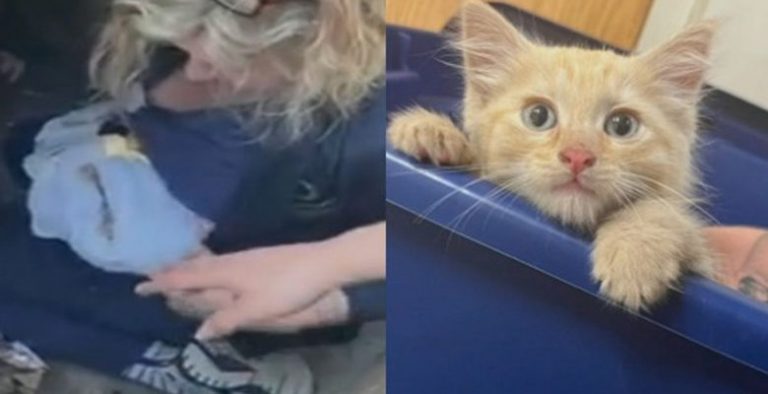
x,y
218,368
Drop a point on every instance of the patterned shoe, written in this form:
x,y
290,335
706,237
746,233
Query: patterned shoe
x,y
21,371
217,368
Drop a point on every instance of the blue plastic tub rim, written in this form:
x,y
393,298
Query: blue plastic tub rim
x,y
701,311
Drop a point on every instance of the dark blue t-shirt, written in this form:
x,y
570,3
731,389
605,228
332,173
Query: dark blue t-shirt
x,y
208,157
202,156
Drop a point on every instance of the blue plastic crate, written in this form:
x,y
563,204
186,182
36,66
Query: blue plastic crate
x,y
489,296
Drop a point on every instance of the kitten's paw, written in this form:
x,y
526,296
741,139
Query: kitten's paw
x,y
703,260
428,136
634,270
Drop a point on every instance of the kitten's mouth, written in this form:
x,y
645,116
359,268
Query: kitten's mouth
x,y
573,186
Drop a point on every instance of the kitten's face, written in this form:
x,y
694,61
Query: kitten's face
x,y
577,132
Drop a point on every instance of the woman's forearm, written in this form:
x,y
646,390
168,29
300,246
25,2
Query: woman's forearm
x,y
358,255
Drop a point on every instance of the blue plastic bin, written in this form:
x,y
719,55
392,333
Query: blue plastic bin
x,y
488,296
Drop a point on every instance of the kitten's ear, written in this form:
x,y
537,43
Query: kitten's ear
x,y
490,45
683,62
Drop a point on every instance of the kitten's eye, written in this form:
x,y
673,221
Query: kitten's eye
x,y
621,125
539,117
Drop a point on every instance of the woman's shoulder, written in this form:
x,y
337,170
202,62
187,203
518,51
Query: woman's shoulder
x,y
375,105
372,113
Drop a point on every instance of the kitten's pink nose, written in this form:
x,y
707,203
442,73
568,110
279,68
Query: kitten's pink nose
x,y
577,159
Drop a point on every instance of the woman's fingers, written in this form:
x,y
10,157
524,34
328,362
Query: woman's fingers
x,y
200,274
200,304
288,324
224,322
239,317
332,308
733,244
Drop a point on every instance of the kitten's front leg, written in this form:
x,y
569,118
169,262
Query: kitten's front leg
x,y
429,136
641,251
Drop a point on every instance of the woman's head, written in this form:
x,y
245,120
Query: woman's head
x,y
289,60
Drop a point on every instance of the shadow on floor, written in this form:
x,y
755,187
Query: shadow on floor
x,y
70,379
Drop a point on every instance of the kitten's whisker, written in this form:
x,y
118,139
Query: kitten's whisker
x,y
439,170
691,201
459,168
506,189
493,192
662,200
626,199
501,202
453,228
423,215
400,173
466,215
458,219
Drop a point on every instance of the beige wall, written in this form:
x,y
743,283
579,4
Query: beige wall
x,y
741,52
618,22
740,57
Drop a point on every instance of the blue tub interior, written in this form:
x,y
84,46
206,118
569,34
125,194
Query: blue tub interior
x,y
489,296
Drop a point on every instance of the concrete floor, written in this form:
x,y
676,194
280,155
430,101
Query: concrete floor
x,y
70,379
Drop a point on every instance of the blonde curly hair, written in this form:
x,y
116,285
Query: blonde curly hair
x,y
340,46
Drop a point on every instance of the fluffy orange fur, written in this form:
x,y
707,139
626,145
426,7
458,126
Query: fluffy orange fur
x,y
637,191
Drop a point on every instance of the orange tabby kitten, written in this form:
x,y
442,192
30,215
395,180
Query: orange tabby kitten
x,y
603,142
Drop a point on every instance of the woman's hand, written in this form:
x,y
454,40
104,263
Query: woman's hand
x,y
754,282
744,256
284,288
267,284
278,287
330,309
